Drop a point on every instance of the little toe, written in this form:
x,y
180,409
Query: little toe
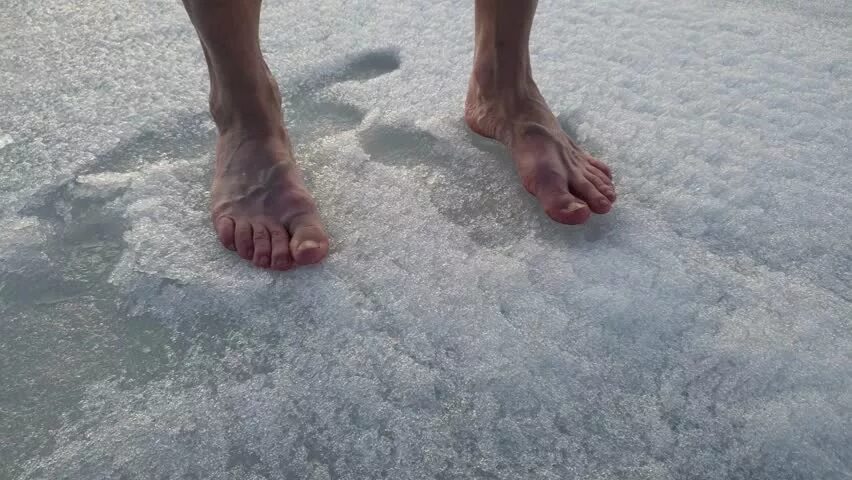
x,y
593,170
601,166
309,243
587,191
281,259
243,239
225,232
262,246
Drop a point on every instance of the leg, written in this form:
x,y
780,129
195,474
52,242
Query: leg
x,y
260,206
504,103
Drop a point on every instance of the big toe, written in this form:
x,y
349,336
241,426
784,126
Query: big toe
x,y
567,209
309,243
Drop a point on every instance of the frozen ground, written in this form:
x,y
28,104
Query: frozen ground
x,y
700,331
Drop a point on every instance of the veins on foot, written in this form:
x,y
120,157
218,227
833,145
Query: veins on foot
x,y
260,206
569,183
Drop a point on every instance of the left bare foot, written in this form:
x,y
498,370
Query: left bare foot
x,y
568,182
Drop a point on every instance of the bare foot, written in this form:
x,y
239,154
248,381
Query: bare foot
x,y
260,206
568,182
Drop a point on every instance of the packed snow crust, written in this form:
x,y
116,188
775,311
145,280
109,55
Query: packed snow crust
x,y
701,330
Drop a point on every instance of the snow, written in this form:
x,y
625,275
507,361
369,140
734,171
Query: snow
x,y
5,140
700,330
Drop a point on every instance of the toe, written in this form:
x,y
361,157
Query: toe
x,y
560,205
604,168
593,170
602,185
567,209
601,166
225,231
243,239
550,185
262,246
588,192
309,243
281,259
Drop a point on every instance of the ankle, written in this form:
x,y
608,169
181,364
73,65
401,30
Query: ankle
x,y
501,76
252,105
499,102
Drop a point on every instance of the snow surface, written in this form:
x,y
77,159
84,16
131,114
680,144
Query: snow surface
x,y
701,330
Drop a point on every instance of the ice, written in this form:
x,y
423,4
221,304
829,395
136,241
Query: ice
x,y
700,330
5,140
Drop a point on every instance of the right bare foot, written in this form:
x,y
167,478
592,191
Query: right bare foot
x,y
259,204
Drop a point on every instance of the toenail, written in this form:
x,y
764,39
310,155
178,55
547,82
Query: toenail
x,y
308,245
263,260
573,208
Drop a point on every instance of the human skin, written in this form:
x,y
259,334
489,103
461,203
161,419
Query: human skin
x,y
260,206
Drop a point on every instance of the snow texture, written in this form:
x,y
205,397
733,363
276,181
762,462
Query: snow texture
x,y
699,331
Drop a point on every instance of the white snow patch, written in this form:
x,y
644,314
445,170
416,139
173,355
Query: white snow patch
x,y
5,140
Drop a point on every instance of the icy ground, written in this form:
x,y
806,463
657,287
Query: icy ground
x,y
699,331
